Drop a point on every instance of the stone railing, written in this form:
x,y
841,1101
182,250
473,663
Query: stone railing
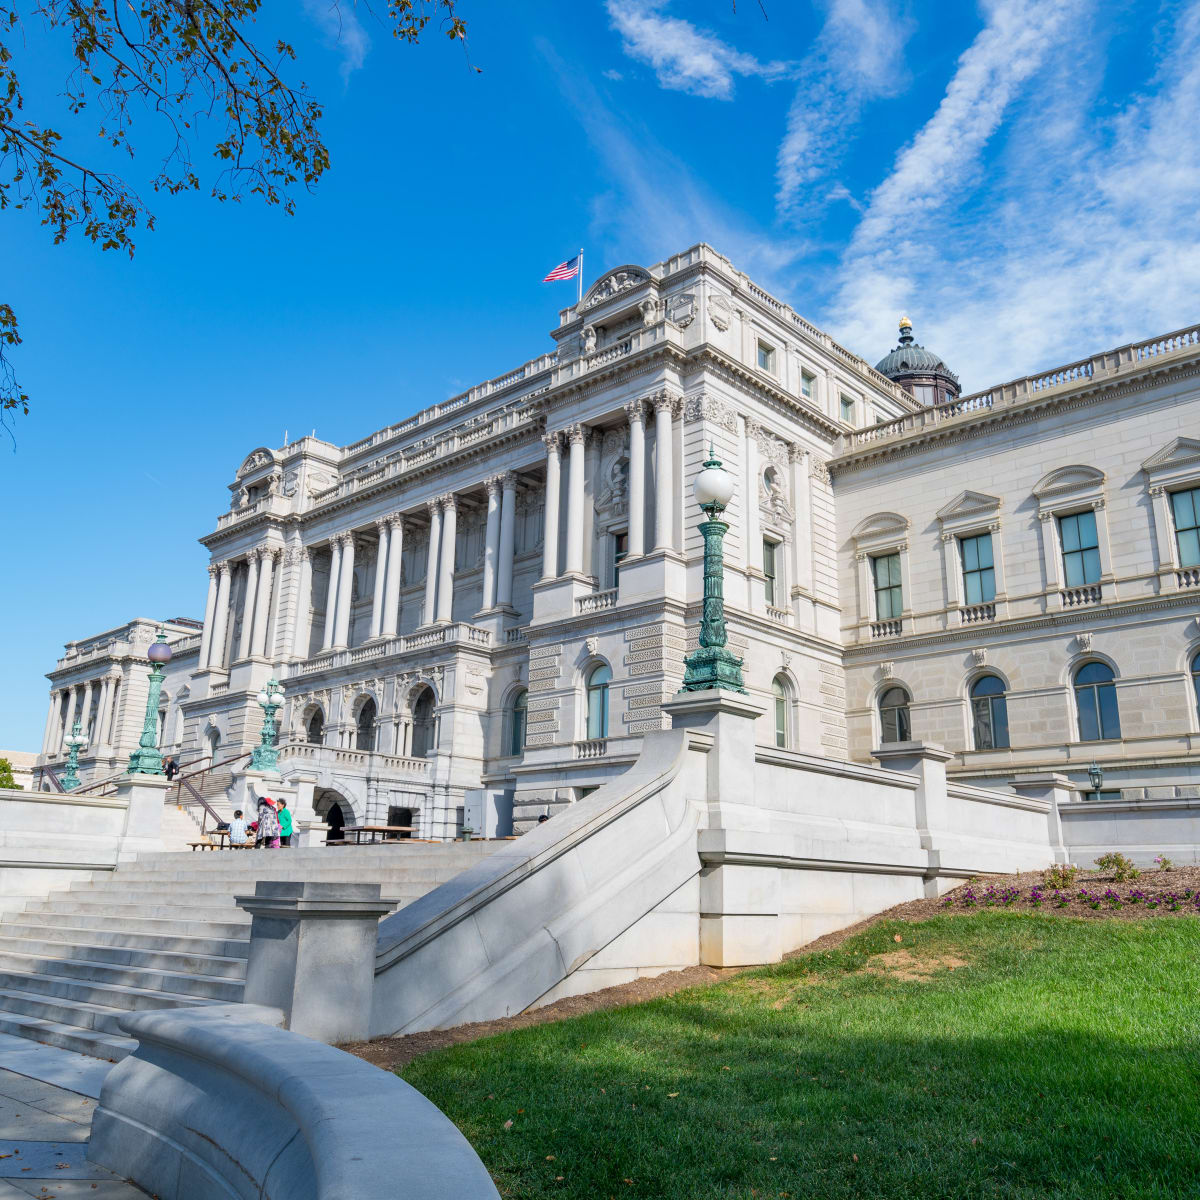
x,y
218,1101
596,602
886,629
512,636
778,614
359,760
218,687
1090,593
1187,577
592,748
1109,363
272,504
973,614
459,633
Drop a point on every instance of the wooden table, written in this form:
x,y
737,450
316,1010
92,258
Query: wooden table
x,y
374,830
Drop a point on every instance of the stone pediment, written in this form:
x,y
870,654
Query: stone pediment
x,y
881,525
614,283
256,459
1063,480
1180,452
968,504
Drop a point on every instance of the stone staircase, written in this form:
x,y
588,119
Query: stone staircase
x,y
164,932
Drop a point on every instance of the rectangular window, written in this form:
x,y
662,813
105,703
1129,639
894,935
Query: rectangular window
x,y
766,357
1186,507
807,384
925,393
889,600
771,572
979,575
620,549
848,410
1080,548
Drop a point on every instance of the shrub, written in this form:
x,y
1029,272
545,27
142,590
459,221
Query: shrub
x,y
1163,862
1121,867
6,777
1061,875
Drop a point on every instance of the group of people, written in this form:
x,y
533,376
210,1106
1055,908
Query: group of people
x,y
272,827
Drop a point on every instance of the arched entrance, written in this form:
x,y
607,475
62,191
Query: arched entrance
x,y
424,724
335,810
364,738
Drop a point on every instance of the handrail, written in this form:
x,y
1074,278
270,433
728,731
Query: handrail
x,y
99,783
184,781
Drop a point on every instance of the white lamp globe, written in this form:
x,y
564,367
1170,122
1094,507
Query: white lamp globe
x,y
714,485
263,697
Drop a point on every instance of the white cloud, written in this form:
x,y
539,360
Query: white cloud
x,y
858,57
1025,227
615,76
684,58
342,30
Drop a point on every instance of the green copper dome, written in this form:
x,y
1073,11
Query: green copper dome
x,y
909,360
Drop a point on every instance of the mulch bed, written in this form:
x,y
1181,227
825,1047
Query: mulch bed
x,y
1012,892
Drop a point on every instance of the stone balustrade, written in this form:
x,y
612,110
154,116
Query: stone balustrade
x,y
459,633
592,748
335,756
1078,597
596,602
974,614
885,629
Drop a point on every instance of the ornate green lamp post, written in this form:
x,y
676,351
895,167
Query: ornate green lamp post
x,y
146,760
712,665
265,756
75,742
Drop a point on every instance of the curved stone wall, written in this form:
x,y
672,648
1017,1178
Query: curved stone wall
x,y
218,1102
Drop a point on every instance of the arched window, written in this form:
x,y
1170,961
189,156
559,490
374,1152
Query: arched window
x,y
1196,679
989,713
423,740
779,693
364,739
214,745
893,715
1096,700
516,722
597,701
315,731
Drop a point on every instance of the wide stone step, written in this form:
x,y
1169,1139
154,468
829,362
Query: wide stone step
x,y
209,965
353,857
67,1037
121,940
101,1018
206,987
113,995
236,924
182,909
205,885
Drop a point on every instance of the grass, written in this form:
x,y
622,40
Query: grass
x,y
1060,1061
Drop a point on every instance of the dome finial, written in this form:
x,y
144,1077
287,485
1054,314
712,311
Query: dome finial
x,y
906,333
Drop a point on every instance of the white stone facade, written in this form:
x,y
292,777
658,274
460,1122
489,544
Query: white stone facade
x,y
437,597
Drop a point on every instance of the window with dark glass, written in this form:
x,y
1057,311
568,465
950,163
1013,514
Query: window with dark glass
x,y
620,550
1096,702
766,357
770,570
1080,548
889,599
780,697
1196,679
1186,508
316,729
979,573
597,701
516,722
893,716
806,384
848,410
989,713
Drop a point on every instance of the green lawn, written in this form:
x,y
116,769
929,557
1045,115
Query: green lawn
x,y
1062,1061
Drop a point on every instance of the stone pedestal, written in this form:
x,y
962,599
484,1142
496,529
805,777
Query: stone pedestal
x,y
309,833
144,797
312,955
555,599
248,783
1056,790
927,761
739,904
656,575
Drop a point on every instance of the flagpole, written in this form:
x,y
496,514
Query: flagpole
x,y
580,299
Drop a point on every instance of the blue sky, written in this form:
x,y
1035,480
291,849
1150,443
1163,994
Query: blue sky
x,y
1020,176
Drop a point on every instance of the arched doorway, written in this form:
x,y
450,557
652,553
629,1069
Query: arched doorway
x,y
335,810
424,724
364,738
214,746
314,732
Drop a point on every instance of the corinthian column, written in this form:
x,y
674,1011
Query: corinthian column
x,y
262,606
431,561
248,603
55,707
491,543
445,593
210,611
68,724
508,530
216,652
102,711
331,592
575,441
636,411
550,518
303,631
345,595
391,591
664,507
381,555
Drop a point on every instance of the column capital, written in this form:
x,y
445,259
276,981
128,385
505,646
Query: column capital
x,y
551,441
345,540
434,506
493,485
508,480
381,523
796,454
225,567
635,410
449,500
665,399
396,520
213,569
575,434
753,428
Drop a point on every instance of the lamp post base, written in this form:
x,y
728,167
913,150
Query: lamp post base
x,y
712,667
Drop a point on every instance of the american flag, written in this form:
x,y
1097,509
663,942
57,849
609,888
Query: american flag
x,y
565,270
